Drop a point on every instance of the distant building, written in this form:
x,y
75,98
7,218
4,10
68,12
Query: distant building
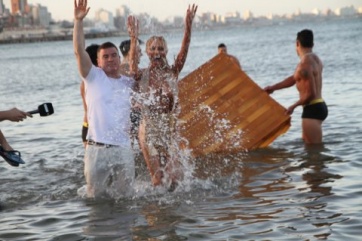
x,y
123,11
2,8
208,18
148,24
105,17
248,15
232,18
41,16
329,13
19,7
178,21
298,12
20,14
121,17
316,12
346,11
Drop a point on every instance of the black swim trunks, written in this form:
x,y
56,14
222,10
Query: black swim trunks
x,y
317,111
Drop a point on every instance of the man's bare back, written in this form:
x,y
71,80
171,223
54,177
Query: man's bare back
x,y
308,77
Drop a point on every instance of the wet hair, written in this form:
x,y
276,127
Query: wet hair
x,y
92,52
153,38
222,45
106,45
305,38
126,45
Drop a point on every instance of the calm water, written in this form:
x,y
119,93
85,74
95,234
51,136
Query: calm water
x,y
283,192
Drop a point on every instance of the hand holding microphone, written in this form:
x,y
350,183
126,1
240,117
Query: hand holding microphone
x,y
43,109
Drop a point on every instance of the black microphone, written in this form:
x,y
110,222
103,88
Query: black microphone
x,y
43,109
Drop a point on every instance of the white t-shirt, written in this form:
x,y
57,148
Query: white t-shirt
x,y
108,106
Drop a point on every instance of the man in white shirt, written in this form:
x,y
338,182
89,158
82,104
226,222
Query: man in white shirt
x,y
109,167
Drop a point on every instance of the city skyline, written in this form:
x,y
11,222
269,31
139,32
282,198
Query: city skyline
x,y
64,10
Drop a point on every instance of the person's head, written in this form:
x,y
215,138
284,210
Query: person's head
x,y
221,48
156,49
108,58
304,39
92,52
125,46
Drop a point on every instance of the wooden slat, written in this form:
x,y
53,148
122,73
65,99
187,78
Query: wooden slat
x,y
218,101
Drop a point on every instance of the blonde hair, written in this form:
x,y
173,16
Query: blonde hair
x,y
156,38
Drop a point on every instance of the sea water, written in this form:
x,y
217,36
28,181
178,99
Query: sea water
x,y
283,192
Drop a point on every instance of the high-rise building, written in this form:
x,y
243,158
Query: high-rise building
x,y
2,7
105,17
40,14
19,6
123,11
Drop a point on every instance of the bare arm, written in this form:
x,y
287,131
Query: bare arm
x,y
83,60
288,82
181,57
82,93
133,31
14,115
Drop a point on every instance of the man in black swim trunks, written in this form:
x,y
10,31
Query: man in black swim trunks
x,y
308,79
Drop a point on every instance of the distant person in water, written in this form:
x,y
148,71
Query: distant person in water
x,y
158,100
92,52
221,48
6,151
308,80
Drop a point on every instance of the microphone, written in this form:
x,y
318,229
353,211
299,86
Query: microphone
x,y
43,109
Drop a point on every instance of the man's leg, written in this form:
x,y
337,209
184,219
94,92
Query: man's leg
x,y
94,171
312,131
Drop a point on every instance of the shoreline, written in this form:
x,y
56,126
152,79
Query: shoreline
x,y
51,37
16,36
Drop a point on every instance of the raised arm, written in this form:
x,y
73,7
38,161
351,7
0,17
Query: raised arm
x,y
181,57
83,60
133,31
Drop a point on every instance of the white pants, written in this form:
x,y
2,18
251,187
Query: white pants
x,y
109,172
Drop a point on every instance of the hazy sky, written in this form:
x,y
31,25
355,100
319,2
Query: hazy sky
x,y
162,9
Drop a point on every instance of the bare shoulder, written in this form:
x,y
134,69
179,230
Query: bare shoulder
x,y
304,69
312,59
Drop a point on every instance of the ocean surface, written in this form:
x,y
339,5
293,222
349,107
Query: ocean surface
x,y
284,192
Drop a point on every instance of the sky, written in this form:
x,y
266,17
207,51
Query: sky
x,y
163,9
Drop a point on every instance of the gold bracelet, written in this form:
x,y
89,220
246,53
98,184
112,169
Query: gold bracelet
x,y
85,124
